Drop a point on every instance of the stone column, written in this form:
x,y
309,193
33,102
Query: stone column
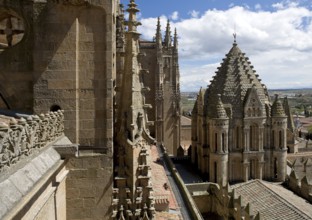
x,y
226,144
245,172
220,142
261,132
260,169
246,139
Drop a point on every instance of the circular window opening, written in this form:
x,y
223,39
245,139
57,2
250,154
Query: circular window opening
x,y
12,30
55,108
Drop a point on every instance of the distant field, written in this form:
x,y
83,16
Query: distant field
x,y
300,100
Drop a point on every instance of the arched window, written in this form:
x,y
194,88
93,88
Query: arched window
x,y
237,137
280,139
254,137
216,142
223,142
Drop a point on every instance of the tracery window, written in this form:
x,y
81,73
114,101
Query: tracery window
x,y
12,29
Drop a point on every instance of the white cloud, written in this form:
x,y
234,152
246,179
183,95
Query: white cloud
x,y
258,7
174,16
278,43
231,5
194,14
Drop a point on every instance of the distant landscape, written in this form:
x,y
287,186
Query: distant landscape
x,y
300,100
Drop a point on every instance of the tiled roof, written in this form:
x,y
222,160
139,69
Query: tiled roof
x,y
273,201
232,80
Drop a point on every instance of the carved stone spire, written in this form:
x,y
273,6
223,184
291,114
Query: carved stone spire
x,y
168,35
132,22
158,35
290,120
133,178
132,100
175,39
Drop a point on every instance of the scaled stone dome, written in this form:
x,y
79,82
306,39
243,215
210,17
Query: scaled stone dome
x,y
232,81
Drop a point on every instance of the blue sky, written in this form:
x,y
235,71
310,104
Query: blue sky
x,y
275,34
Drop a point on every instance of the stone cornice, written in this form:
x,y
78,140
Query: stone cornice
x,y
73,2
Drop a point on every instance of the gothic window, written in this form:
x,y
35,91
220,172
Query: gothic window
x,y
253,137
237,137
249,112
215,172
252,169
223,142
275,167
280,139
11,29
216,142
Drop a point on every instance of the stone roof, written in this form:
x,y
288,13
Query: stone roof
x,y
277,108
233,79
185,121
273,201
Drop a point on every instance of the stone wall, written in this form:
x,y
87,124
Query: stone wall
x,y
186,196
300,177
186,132
88,186
74,56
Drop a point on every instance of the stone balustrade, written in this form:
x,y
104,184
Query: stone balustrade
x,y
19,138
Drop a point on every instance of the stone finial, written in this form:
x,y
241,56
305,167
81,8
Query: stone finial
x,y
175,39
132,22
277,108
158,34
220,111
168,35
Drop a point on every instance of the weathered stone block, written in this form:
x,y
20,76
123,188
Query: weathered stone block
x,y
72,192
75,203
9,193
90,162
88,192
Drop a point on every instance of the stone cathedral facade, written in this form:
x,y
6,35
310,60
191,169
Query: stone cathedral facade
x,y
237,133
161,59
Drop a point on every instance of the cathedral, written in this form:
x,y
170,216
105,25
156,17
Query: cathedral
x,y
90,120
238,134
163,79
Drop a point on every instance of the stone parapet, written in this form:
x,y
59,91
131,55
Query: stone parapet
x,y
44,173
301,186
20,138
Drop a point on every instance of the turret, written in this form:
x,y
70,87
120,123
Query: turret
x,y
168,35
219,129
279,140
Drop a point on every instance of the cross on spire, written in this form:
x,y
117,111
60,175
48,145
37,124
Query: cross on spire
x,y
9,31
234,35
